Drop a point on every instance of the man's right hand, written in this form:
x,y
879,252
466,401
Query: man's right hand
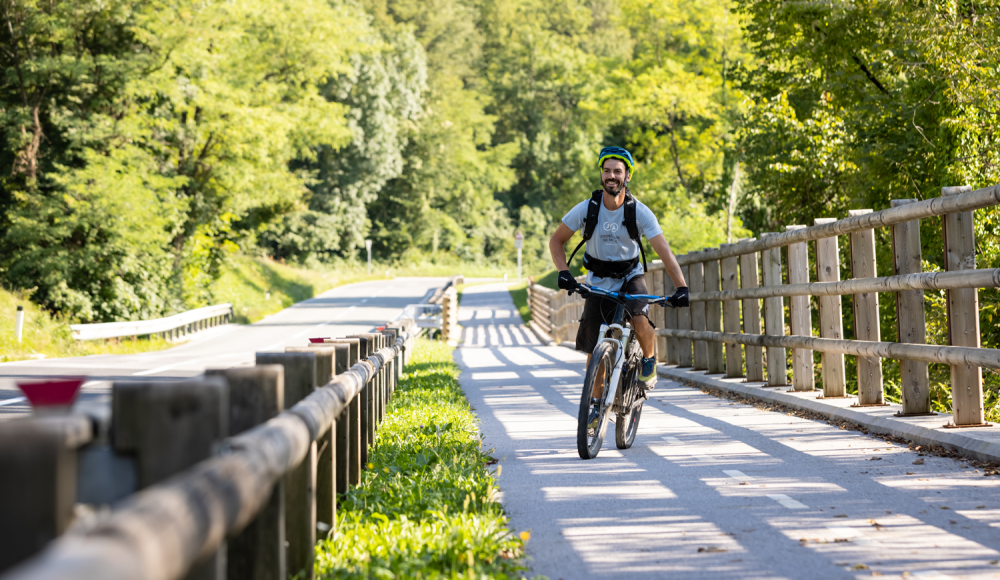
x,y
567,281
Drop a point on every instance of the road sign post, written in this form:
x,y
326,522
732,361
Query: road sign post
x,y
368,246
518,243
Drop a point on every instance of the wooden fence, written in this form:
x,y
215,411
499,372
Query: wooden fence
x,y
233,474
726,331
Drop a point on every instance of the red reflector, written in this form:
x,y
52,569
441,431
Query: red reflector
x,y
51,392
319,340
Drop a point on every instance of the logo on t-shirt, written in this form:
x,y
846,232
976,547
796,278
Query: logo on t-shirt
x,y
611,227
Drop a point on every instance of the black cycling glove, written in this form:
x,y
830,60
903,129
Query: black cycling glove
x,y
566,281
681,298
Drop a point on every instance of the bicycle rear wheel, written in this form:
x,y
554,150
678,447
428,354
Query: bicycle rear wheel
x,y
589,440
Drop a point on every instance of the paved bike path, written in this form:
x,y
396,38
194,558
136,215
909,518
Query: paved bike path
x,y
710,489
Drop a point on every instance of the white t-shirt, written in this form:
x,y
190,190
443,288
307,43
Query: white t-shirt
x,y
610,240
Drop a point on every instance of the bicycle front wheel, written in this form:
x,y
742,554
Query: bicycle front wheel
x,y
590,437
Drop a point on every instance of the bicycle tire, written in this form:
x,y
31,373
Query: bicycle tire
x,y
587,444
626,426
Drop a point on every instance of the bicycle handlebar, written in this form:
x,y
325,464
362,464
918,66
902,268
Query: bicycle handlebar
x,y
622,296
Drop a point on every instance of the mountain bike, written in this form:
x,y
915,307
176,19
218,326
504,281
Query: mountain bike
x,y
616,361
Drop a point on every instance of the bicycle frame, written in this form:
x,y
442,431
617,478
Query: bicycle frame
x,y
626,333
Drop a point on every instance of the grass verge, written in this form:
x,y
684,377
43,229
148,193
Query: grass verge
x,y
425,507
44,336
259,287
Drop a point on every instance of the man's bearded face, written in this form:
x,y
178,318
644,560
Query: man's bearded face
x,y
614,175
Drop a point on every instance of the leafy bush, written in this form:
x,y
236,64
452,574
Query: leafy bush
x,y
426,505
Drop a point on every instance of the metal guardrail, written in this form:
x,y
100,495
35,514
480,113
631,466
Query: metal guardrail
x,y
424,315
170,326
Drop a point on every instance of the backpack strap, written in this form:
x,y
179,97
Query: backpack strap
x,y
632,226
590,224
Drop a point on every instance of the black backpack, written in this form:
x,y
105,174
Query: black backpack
x,y
593,211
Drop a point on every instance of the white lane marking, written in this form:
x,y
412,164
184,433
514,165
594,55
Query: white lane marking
x,y
495,376
12,401
695,454
344,313
737,474
787,501
184,362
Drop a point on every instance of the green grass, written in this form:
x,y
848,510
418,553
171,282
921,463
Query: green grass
x,y
45,336
426,505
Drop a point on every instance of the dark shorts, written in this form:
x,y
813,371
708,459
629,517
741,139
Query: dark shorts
x,y
598,310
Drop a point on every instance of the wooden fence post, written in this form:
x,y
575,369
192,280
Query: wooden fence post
x,y
911,325
713,316
654,283
963,315
831,316
751,315
800,315
367,405
357,455
257,394
170,427
38,488
866,316
670,320
698,315
731,314
300,483
774,316
684,359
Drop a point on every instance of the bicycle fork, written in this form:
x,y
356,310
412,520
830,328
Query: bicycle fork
x,y
609,395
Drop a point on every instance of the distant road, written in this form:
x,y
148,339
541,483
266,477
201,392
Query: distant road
x,y
344,310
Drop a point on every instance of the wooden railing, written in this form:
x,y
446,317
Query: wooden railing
x,y
231,474
727,331
728,283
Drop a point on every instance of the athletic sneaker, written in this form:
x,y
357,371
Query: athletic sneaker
x,y
595,414
647,374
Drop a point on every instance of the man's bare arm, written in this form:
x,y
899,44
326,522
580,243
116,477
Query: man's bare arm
x,y
557,246
662,249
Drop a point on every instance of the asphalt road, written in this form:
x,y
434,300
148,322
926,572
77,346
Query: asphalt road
x,y
711,488
341,311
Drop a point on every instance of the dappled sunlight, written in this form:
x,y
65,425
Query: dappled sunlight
x,y
523,356
892,544
477,358
633,490
563,354
680,544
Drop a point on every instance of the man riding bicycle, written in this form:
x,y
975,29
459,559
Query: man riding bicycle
x,y
613,239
